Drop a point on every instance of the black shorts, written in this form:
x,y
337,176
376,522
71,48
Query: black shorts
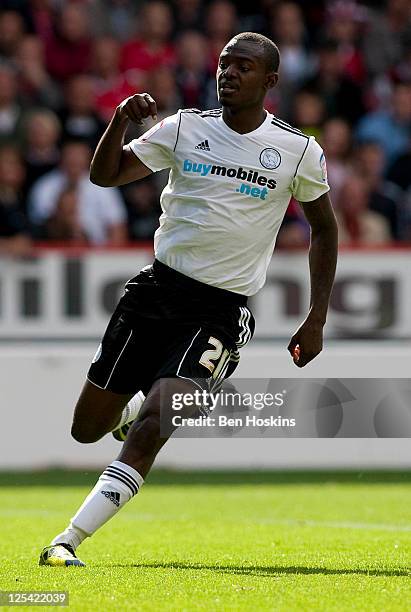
x,y
168,325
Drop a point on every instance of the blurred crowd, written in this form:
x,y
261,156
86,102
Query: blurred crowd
x,y
345,77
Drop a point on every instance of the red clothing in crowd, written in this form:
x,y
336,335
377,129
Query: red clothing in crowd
x,y
64,59
137,55
109,95
354,65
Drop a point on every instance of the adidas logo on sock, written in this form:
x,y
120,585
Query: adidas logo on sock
x,y
113,496
204,146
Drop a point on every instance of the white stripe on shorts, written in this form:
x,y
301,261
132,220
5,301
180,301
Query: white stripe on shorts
x,y
182,359
244,323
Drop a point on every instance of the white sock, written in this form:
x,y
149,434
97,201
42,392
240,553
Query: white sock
x,y
116,486
132,409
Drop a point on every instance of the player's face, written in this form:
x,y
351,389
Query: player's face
x,y
242,76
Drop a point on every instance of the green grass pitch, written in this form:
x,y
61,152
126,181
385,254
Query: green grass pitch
x,y
223,541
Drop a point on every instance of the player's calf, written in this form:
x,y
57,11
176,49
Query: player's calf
x,y
152,428
144,439
143,442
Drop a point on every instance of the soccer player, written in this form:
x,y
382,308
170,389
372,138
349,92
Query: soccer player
x,y
183,320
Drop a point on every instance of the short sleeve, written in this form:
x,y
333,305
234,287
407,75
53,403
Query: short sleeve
x,y
155,148
310,181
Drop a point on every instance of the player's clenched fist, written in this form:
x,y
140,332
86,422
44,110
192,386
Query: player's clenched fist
x,y
138,107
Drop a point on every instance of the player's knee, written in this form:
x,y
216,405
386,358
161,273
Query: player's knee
x,y
83,435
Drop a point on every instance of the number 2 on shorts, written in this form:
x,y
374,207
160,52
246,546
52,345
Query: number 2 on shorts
x,y
215,354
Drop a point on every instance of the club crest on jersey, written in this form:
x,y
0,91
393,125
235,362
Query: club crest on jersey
x,y
270,158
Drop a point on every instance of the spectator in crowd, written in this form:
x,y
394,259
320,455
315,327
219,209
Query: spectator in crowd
x,y
110,85
188,15
345,25
36,87
341,95
64,224
288,30
12,30
191,73
11,111
358,225
101,211
68,50
385,36
14,234
356,80
163,87
151,49
39,17
308,113
41,150
255,16
114,18
221,24
400,171
336,140
392,127
143,208
79,118
384,196
401,73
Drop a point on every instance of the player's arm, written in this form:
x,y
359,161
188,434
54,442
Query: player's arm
x,y
114,164
323,261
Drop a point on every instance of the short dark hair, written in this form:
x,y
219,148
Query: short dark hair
x,y
268,47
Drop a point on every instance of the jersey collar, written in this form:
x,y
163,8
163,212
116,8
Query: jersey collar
x,y
260,128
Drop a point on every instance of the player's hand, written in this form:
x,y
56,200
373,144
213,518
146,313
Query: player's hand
x,y
138,107
306,343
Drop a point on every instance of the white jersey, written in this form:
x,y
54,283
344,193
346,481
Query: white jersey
x,y
227,193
